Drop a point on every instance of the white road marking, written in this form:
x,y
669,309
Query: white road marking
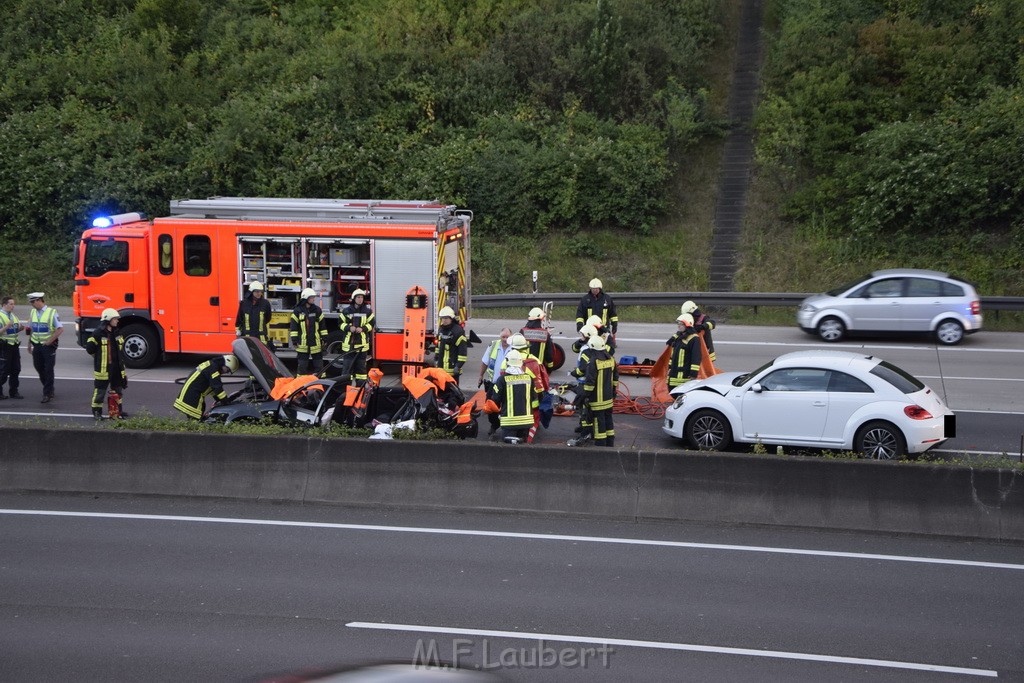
x,y
28,414
688,647
512,534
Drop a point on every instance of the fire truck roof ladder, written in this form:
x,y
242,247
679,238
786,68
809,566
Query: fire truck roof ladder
x,y
319,210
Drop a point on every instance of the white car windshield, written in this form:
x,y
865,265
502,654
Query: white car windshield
x,y
742,379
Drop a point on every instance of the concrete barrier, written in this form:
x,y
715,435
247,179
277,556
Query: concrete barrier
x,y
609,483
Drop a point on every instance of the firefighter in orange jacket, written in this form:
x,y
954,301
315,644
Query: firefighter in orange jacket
x,y
686,354
540,341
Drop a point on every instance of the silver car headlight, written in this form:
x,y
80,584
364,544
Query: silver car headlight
x,y
808,308
679,401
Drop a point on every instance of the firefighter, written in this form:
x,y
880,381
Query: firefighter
x,y
10,349
703,325
357,321
490,368
685,361
596,323
44,329
540,340
541,382
579,373
106,347
205,380
597,302
452,344
600,383
516,396
253,319
308,333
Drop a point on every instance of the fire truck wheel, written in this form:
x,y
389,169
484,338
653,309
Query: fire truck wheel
x,y
332,344
141,347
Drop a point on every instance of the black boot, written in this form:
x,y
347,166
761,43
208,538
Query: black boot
x,y
97,413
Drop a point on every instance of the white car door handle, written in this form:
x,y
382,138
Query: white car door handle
x,y
819,404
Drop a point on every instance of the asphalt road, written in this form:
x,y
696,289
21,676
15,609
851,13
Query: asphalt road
x,y
222,591
982,379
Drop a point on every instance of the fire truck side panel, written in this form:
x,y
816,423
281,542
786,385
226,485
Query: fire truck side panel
x,y
399,265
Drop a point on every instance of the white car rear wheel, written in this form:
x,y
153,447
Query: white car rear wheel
x,y
831,329
949,332
879,440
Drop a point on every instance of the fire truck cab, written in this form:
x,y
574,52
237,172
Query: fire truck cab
x,y
177,281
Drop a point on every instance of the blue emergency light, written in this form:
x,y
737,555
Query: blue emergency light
x,y
119,219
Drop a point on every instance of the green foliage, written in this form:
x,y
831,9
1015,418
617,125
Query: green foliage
x,y
151,423
539,115
897,126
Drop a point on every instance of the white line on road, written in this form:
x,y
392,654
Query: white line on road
x,y
512,534
28,414
659,645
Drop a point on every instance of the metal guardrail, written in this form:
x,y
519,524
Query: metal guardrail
x,y
754,299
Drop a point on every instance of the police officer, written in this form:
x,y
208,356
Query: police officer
x,y
204,381
10,349
106,347
253,319
703,325
308,333
452,344
684,364
516,397
44,329
597,302
357,321
599,384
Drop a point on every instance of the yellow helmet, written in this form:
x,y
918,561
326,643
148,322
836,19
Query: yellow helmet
x,y
306,293
514,358
446,312
231,362
109,314
536,313
595,321
255,286
589,331
688,307
685,318
359,292
598,343
596,284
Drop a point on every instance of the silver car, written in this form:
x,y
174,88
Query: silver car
x,y
901,300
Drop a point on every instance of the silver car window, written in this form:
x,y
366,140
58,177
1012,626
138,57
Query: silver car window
x,y
888,288
796,379
949,289
923,287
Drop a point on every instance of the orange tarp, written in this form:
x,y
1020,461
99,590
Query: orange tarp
x,y
286,385
659,373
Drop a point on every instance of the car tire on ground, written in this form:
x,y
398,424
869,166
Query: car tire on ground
x,y
708,430
831,329
141,346
879,440
949,332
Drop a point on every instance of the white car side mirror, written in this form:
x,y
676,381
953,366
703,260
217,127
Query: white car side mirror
x,y
757,388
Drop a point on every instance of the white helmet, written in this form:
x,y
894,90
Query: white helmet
x,y
596,284
518,341
595,321
231,362
255,286
109,314
359,292
306,293
514,359
446,312
598,343
536,313
589,331
688,307
685,318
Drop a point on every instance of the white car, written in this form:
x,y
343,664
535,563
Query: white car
x,y
819,399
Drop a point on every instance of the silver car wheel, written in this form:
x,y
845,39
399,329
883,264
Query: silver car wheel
x,y
880,443
949,332
708,432
831,329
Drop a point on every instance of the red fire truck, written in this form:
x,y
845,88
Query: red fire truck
x,y
177,280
